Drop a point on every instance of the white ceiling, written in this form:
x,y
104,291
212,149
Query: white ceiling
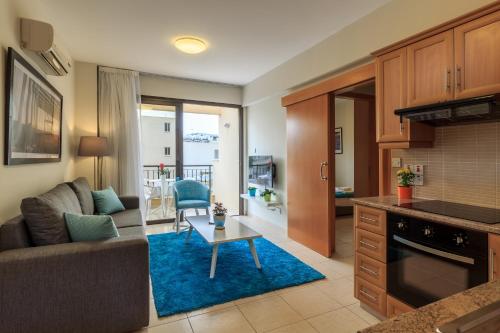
x,y
247,38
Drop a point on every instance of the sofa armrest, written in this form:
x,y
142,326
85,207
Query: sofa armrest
x,y
130,201
76,287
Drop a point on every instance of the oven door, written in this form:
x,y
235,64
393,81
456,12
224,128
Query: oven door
x,y
419,274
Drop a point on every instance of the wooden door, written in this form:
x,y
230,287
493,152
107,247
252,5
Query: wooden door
x,y
477,57
391,95
494,256
310,168
430,66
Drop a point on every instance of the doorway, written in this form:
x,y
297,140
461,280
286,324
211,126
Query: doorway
x,y
356,158
189,140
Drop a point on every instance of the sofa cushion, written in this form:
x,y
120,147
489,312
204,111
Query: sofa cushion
x,y
107,202
128,218
84,194
44,215
83,228
131,231
184,204
14,234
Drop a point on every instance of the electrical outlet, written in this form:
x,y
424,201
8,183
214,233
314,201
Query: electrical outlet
x,y
396,162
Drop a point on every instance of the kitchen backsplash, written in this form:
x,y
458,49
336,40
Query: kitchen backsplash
x,y
463,166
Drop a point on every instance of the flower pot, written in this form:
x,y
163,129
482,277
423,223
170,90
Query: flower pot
x,y
405,192
267,197
219,221
252,191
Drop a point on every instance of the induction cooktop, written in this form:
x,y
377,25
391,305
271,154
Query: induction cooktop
x,y
462,211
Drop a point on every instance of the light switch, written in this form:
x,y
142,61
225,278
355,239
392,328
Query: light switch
x,y
396,162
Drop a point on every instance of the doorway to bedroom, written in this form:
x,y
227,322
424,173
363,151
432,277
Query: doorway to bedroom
x,y
356,156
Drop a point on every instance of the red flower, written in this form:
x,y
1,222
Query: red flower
x,y
162,166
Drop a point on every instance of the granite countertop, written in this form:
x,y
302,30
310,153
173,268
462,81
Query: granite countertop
x,y
427,318
388,203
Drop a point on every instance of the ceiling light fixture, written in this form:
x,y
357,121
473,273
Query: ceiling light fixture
x,y
191,45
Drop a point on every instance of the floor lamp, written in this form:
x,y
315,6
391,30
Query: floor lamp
x,y
97,147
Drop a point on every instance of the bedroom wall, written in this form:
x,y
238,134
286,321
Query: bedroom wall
x,y
17,182
344,163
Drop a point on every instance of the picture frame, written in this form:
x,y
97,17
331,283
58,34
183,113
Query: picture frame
x,y
33,114
338,140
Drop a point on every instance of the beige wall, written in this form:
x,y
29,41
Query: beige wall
x,y
17,182
388,24
344,163
463,166
266,135
162,86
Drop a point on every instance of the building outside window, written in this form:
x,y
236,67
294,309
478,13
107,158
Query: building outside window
x,y
167,127
166,151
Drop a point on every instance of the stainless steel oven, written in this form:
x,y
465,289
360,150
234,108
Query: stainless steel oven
x,y
428,261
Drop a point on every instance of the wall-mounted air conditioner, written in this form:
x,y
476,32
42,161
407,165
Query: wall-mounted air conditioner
x,y
38,37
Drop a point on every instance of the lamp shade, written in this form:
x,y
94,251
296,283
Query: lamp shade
x,y
93,146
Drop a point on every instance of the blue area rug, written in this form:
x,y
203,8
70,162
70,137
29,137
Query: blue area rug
x,y
180,272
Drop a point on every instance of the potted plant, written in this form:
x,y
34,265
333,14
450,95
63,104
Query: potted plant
x,y
405,181
267,195
219,215
251,191
164,172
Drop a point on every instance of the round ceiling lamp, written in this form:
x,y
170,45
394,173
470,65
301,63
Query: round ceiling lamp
x,y
190,45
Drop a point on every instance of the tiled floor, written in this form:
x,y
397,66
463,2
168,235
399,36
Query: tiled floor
x,y
322,306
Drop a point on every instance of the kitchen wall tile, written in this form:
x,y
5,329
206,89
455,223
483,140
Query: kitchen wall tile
x,y
463,165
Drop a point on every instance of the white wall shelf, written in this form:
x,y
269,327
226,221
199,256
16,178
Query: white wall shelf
x,y
271,205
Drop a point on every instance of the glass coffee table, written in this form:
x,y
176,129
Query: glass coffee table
x,y
234,231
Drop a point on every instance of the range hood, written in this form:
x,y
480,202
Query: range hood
x,y
470,110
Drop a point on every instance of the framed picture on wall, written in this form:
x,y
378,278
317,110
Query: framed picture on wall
x,y
33,115
338,140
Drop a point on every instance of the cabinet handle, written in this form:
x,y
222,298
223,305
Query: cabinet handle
x,y
369,271
492,265
367,244
401,127
368,219
458,79
448,80
323,164
373,298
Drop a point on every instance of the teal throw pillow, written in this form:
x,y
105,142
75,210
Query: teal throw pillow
x,y
107,202
90,227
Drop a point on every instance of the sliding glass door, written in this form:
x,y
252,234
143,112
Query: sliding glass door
x,y
189,140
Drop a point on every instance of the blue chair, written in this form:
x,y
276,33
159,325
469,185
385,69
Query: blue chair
x,y
189,194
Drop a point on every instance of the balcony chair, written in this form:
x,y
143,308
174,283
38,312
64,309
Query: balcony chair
x,y
189,194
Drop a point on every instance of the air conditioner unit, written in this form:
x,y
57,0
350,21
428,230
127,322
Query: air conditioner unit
x,y
38,38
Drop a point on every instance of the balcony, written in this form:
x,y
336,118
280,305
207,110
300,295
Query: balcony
x,y
202,173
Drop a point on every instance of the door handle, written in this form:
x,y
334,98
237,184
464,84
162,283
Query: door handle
x,y
367,244
492,264
448,80
323,164
369,271
458,79
373,298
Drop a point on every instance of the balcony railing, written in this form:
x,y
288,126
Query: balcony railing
x,y
202,173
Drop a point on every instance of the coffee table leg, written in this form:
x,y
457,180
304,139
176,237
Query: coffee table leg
x,y
189,233
214,260
254,253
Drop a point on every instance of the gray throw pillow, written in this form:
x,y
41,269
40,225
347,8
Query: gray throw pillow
x,y
44,215
84,194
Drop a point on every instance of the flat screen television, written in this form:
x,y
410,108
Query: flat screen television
x,y
260,171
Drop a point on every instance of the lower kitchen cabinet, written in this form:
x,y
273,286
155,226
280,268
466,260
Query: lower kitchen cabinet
x,y
395,307
494,256
370,295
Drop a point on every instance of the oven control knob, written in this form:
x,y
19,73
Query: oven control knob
x,y
402,225
428,231
460,239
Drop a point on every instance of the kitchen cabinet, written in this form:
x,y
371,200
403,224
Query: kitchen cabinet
x,y
494,256
391,94
430,66
477,54
395,307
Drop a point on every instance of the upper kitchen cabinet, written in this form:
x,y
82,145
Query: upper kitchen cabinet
x,y
391,89
390,93
430,66
477,54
